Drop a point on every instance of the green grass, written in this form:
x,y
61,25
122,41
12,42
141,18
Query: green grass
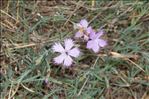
x,y
31,28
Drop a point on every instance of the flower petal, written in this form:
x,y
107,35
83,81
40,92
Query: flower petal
x,y
78,34
68,44
92,34
68,61
74,52
102,43
93,44
84,23
89,44
57,47
95,48
59,59
99,33
89,30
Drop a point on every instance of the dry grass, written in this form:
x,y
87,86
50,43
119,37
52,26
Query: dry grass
x,y
29,28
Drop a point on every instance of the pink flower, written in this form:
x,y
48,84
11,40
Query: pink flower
x,y
95,43
67,52
83,24
83,30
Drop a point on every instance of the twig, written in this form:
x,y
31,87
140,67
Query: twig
x,y
83,86
27,88
3,24
23,46
8,15
10,97
93,3
17,11
118,55
136,65
124,57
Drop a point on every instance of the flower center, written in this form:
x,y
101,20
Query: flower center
x,y
81,29
66,52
